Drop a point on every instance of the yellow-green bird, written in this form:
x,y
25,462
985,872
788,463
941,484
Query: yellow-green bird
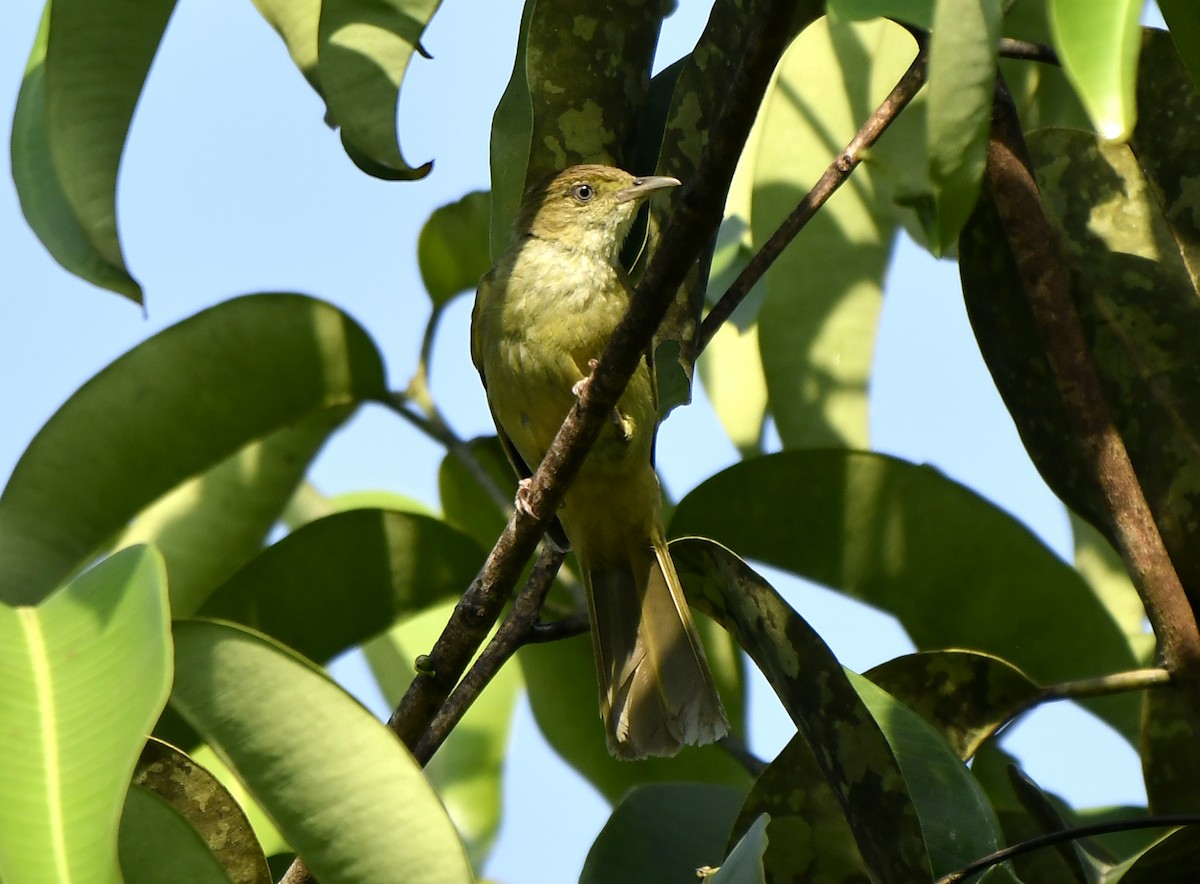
x,y
543,315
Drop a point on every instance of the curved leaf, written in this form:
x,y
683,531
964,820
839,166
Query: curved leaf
x,y
363,51
467,769
848,745
1098,46
97,650
744,865
466,503
955,570
1170,860
298,592
40,189
1183,19
915,12
663,833
816,327
452,250
965,695
169,409
204,805
296,22
336,781
158,846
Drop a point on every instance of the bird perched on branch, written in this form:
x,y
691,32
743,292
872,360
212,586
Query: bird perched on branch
x,y
543,316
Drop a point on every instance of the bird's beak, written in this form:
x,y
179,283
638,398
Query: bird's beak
x,y
646,187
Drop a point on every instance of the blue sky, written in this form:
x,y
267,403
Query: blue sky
x,y
231,184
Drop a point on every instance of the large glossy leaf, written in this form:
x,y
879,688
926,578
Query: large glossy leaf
x,y
344,792
1183,18
967,696
168,410
847,743
158,846
211,525
962,79
96,651
466,771
1133,252
1171,860
580,77
1098,46
817,325
39,186
363,51
452,250
955,570
296,22
561,680
663,833
300,591
202,804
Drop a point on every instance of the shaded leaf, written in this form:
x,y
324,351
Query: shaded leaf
x,y
1098,45
363,51
965,695
336,781
466,770
169,409
850,749
205,805
1075,854
1171,860
97,650
299,590
1170,754
40,189
816,326
452,250
1183,19
265,831
158,846
915,12
744,865
466,503
663,833
1044,96
1105,573
876,528
961,84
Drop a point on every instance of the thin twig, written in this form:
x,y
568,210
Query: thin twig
x,y
1023,50
834,177
509,638
1052,838
1034,244
1106,685
556,630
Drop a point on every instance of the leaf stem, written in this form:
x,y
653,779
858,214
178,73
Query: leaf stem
x,y
1105,685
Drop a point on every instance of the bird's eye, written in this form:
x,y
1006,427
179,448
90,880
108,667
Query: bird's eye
x,y
582,192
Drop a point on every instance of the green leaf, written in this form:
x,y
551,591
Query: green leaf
x,y
1170,754
663,833
452,251
1080,854
809,838
95,652
561,680
879,529
171,408
466,771
363,52
744,865
203,804
1126,228
965,695
297,590
1105,573
467,504
957,820
961,83
580,78
211,525
915,12
851,751
296,22
40,188
816,327
1098,47
265,832
336,781
1183,19
158,846
1170,860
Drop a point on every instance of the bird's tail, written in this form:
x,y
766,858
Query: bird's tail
x,y
656,690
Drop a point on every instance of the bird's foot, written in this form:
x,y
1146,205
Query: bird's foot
x,y
580,385
523,504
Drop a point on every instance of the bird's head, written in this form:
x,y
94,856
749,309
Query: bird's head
x,y
590,208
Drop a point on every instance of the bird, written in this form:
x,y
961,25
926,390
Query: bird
x,y
543,316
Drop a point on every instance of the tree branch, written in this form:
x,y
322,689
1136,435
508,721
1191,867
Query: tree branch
x,y
1034,245
835,175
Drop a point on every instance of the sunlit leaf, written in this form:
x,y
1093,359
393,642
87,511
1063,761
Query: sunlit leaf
x,y
816,327
296,23
452,250
1105,573
955,570
744,865
158,846
298,591
663,833
170,409
96,651
1098,46
338,784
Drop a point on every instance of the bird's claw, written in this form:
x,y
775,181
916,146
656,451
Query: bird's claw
x,y
580,385
522,502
